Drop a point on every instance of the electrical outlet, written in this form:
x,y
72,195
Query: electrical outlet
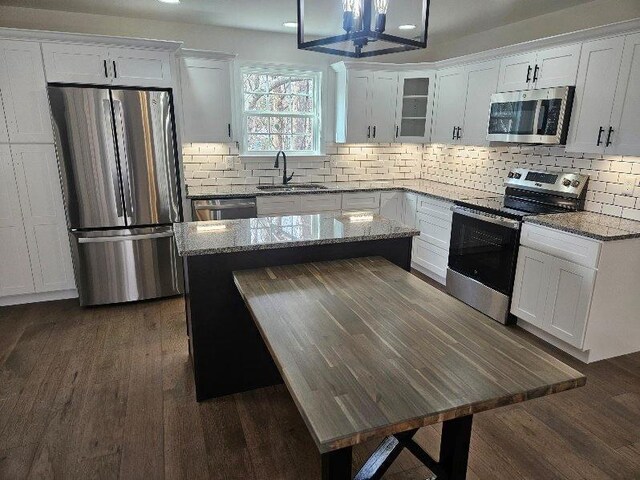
x,y
628,184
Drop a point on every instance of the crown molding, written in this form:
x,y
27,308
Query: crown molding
x,y
206,54
106,40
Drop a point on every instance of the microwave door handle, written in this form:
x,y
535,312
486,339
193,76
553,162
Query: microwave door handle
x,y
536,117
541,117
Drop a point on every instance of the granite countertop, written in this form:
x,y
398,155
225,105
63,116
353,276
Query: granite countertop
x,y
439,190
590,224
250,234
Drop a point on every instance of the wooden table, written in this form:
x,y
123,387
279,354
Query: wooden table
x,y
367,350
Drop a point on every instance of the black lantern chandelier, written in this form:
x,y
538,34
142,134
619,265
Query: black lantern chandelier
x,y
363,29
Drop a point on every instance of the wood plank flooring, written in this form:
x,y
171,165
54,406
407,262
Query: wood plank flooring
x,y
107,393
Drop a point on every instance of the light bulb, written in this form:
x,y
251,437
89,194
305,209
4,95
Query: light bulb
x,y
381,6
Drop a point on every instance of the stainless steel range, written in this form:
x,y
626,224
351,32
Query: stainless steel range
x,y
486,233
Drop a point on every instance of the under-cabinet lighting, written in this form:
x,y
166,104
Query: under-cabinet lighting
x,y
218,227
290,24
361,218
169,1
407,27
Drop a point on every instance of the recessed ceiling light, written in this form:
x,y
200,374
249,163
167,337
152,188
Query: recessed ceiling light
x,y
290,24
407,27
169,1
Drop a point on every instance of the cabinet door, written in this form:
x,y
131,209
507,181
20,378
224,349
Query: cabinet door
x,y
391,205
358,109
383,106
140,68
206,100
568,301
531,285
4,133
24,92
482,82
595,89
557,67
516,72
76,63
413,110
409,209
44,219
15,269
451,85
625,119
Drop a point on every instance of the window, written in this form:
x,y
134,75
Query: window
x,y
280,111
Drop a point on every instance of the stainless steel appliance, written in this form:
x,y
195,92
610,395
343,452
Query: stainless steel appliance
x,y
486,233
224,208
531,116
118,166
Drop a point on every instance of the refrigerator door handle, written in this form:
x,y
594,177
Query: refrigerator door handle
x,y
125,238
115,179
121,139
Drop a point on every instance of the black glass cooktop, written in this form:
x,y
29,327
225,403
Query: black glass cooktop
x,y
509,206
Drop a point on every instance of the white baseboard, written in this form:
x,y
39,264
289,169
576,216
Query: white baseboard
x,y
37,297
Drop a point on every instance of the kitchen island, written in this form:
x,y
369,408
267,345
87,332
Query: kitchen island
x,y
227,351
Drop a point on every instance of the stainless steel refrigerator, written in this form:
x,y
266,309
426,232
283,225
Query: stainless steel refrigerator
x,y
118,166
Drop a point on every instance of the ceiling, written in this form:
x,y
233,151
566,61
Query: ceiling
x,y
448,18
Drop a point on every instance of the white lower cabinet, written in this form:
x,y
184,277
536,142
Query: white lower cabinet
x,y
15,269
577,293
553,294
392,205
43,216
431,249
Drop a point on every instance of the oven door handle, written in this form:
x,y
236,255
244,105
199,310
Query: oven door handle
x,y
504,222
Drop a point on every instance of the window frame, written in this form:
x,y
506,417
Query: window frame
x,y
316,116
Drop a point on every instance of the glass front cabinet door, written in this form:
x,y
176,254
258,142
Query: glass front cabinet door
x,y
414,107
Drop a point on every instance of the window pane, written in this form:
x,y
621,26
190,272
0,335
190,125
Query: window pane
x,y
280,103
302,104
302,143
301,125
301,85
255,102
280,124
257,143
258,124
279,84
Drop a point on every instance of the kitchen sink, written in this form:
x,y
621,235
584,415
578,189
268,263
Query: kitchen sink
x,y
291,188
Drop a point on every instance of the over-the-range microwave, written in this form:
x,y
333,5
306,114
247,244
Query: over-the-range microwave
x,y
531,116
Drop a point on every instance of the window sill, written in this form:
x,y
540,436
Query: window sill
x,y
299,157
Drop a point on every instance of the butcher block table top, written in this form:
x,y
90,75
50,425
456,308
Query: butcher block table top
x,y
367,349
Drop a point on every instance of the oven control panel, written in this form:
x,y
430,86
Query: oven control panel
x,y
567,183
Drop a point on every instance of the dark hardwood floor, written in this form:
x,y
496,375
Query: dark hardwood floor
x,y
107,393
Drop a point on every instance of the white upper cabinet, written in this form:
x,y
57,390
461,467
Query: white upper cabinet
x,y
364,100
451,85
516,72
15,269
463,96
595,90
206,100
625,120
43,216
482,79
554,67
120,66
24,94
383,106
140,68
66,63
413,114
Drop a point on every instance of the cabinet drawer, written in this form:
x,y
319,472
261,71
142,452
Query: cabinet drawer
x,y
361,201
436,208
320,203
279,205
434,230
567,246
430,257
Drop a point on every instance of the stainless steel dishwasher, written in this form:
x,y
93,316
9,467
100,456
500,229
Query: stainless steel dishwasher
x,y
224,208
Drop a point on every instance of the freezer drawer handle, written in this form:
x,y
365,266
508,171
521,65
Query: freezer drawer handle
x,y
225,207
125,238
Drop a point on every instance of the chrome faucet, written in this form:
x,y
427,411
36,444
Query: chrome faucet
x,y
285,179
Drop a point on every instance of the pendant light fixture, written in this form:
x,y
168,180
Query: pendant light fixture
x,y
364,23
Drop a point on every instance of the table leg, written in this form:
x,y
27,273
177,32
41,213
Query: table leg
x,y
336,465
454,447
